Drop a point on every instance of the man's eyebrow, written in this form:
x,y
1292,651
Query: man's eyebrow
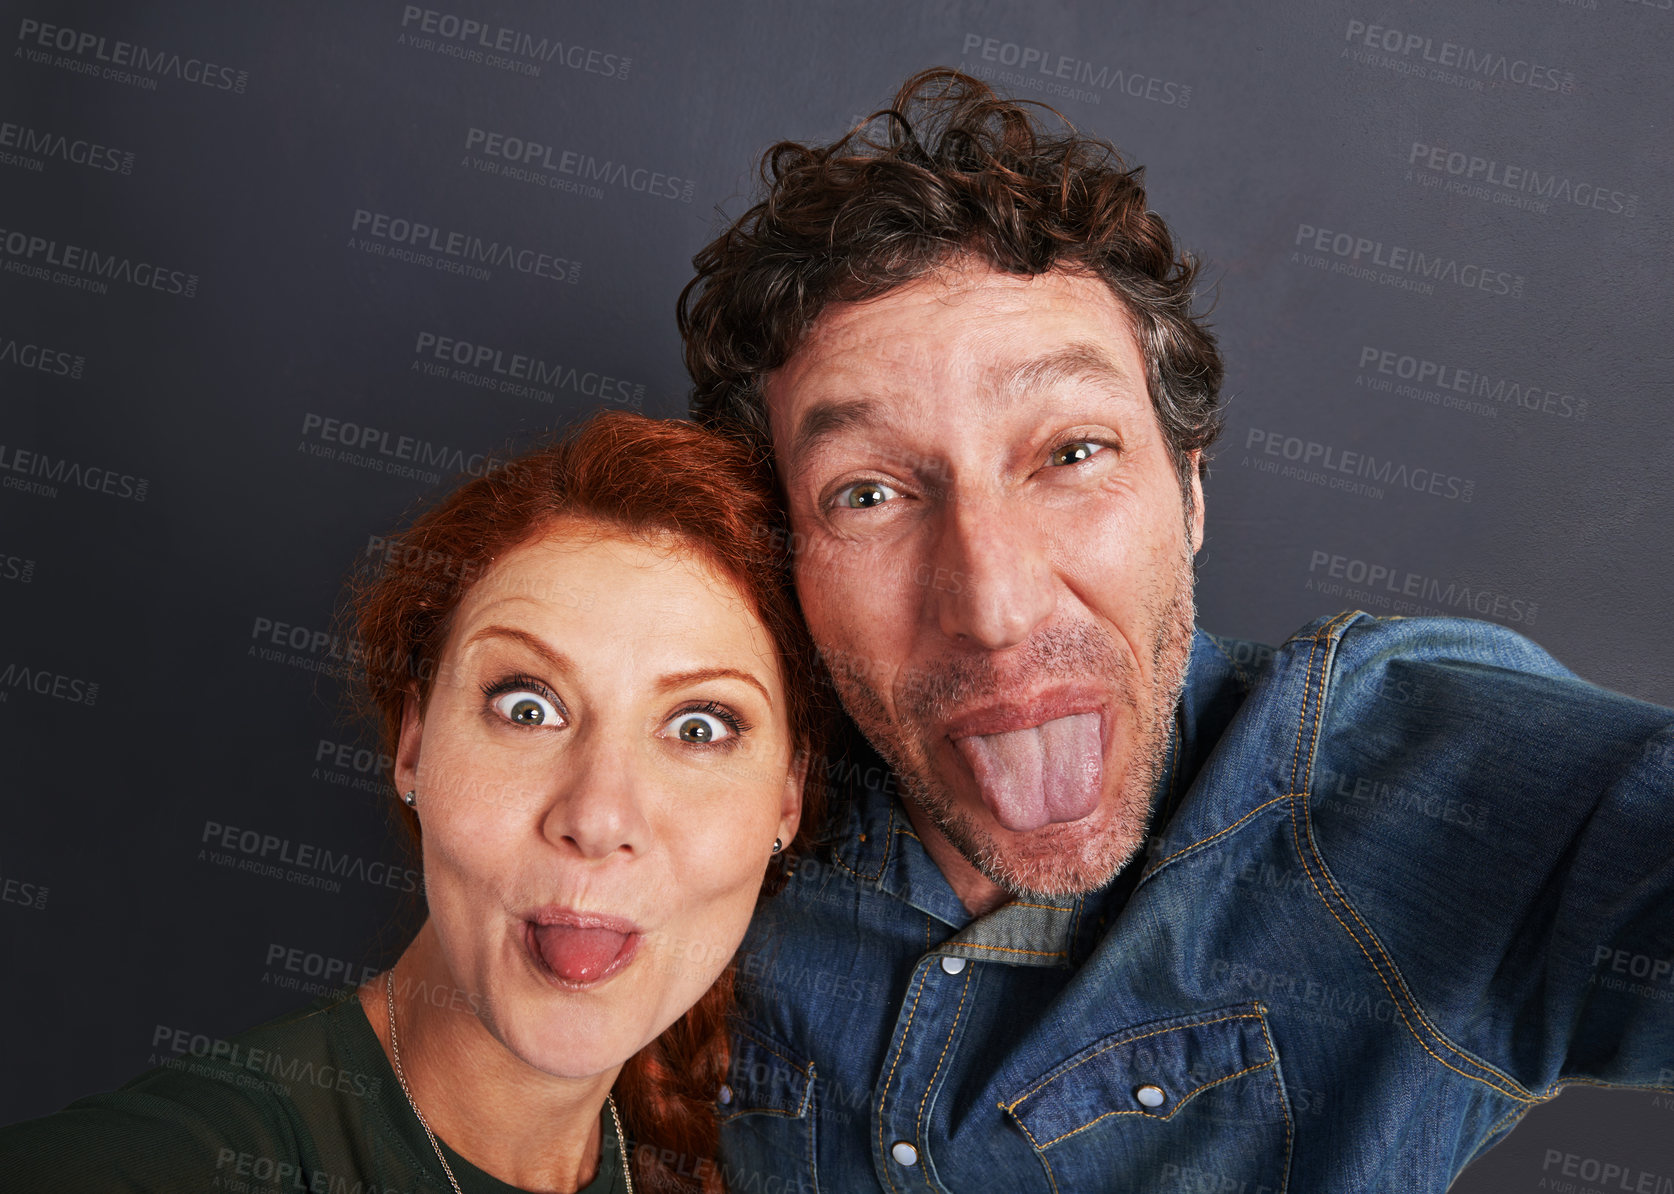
x,y
562,663
828,416
1077,361
1080,361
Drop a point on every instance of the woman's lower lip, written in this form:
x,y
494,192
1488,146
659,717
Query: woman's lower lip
x,y
578,958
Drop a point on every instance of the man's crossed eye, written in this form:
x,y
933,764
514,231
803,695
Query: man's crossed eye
x,y
864,495
1074,452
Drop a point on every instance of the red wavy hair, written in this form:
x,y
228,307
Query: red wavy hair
x,y
630,475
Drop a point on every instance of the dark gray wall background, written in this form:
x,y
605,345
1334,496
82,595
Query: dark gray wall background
x,y
169,496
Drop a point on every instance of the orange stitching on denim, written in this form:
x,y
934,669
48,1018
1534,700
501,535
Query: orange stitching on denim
x,y
910,834
805,1070
1307,816
883,1097
1284,1104
813,1126
1395,970
1320,636
838,859
1050,1176
1048,907
1510,1117
1399,1003
807,1073
1041,1156
1558,1086
1021,1126
1179,1103
882,862
1007,949
1302,720
727,1119
1317,699
1319,702
1381,978
918,1126
1144,1036
1162,862
1441,1037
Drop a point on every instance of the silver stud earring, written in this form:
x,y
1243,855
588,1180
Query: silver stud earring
x,y
411,799
777,845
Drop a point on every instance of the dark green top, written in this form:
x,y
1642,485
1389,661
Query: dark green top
x,y
306,1104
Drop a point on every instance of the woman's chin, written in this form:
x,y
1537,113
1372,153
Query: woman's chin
x,y
582,1017
575,1043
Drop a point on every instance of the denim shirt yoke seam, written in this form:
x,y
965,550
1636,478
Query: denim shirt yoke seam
x,y
1321,656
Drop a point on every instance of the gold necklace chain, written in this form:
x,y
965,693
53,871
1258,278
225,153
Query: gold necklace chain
x,y
395,1051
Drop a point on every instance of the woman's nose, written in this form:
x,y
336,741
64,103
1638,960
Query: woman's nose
x,y
597,805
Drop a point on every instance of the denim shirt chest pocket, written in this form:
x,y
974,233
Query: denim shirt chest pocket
x,y
768,1097
1196,1102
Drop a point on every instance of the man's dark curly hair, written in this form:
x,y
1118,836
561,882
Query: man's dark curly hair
x,y
957,171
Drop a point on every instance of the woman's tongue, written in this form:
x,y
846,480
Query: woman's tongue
x,y
578,955
1033,777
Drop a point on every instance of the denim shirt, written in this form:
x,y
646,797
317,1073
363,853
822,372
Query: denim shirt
x,y
1405,879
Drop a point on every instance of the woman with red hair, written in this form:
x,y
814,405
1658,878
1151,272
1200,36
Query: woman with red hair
x,y
594,682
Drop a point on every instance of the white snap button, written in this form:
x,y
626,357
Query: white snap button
x,y
904,1153
952,965
1150,1096
726,1095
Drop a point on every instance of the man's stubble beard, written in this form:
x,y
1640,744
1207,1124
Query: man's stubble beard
x,y
1064,858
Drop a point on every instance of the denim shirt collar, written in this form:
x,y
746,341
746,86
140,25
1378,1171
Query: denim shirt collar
x,y
877,844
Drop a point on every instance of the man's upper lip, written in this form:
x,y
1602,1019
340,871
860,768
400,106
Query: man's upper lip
x,y
1001,717
555,914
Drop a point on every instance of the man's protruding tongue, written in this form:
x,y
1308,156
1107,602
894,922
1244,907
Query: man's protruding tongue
x,y
1033,777
578,955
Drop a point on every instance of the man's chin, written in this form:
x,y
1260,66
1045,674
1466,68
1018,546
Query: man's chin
x,y
1065,858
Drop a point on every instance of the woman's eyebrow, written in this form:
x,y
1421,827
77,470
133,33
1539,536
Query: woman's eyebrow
x,y
666,683
674,680
554,657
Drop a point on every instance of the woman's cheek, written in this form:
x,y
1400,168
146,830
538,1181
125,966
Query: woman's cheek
x,y
693,953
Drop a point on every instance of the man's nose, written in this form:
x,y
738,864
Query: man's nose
x,y
993,578
597,804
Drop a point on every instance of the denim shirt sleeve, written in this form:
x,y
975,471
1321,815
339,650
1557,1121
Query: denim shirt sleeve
x,y
1529,922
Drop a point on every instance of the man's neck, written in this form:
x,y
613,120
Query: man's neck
x,y
980,894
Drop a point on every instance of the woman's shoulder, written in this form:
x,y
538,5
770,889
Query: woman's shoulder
x,y
226,1114
291,1061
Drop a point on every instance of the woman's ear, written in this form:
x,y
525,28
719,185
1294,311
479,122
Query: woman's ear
x,y
790,808
407,745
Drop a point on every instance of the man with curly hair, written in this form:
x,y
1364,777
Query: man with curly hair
x,y
1110,903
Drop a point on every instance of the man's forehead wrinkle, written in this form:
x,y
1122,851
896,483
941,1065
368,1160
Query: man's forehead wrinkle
x,y
1078,361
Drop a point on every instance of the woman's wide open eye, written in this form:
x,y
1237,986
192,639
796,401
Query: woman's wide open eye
x,y
526,708
703,726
